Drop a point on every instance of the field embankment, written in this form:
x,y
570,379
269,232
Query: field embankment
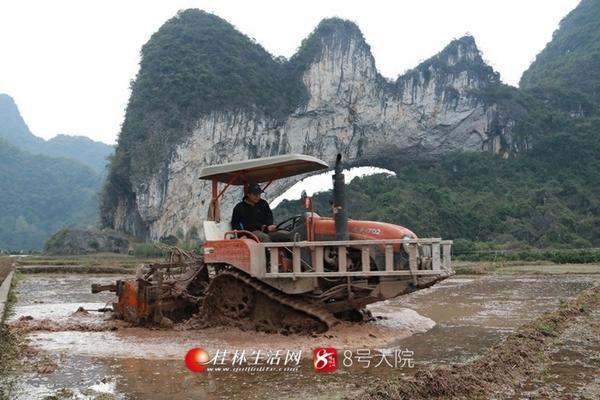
x,y
512,365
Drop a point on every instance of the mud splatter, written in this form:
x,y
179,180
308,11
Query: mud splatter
x,y
27,323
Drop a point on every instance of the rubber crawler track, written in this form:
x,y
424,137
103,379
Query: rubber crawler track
x,y
303,306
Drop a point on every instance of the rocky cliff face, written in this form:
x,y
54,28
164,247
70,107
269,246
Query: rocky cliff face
x,y
438,107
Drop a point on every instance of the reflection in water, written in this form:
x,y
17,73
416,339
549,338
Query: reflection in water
x,y
471,314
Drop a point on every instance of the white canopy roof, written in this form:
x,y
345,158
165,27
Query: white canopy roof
x,y
264,169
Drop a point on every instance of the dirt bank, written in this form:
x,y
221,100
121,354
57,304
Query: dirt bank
x,y
571,367
6,265
523,268
505,367
73,269
10,351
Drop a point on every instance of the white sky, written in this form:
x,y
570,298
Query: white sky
x,y
68,63
322,182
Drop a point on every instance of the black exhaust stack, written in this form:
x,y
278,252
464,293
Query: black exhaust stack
x,y
339,202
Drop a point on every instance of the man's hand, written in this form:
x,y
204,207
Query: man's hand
x,y
271,228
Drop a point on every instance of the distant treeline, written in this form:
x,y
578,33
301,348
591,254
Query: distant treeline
x,y
40,195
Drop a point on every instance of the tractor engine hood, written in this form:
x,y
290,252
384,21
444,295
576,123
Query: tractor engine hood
x,y
324,228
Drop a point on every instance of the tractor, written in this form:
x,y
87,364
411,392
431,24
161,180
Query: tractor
x,y
332,268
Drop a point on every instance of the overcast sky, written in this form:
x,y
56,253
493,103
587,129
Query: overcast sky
x,y
68,63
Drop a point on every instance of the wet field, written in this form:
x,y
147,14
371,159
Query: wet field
x,y
454,321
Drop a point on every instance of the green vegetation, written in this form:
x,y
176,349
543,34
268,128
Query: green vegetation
x,y
44,185
567,72
148,250
56,239
545,329
87,151
86,241
39,195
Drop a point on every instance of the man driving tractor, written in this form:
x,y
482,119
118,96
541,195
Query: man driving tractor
x,y
254,214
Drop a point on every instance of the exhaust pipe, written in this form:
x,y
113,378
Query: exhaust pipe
x,y
339,202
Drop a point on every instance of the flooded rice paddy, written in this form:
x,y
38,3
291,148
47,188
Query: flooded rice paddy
x,y
454,321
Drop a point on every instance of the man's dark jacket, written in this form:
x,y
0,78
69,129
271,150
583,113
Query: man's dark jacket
x,y
252,217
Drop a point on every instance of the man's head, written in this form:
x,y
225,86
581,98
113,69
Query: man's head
x,y
253,193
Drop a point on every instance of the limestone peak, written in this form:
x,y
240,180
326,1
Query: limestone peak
x,y
331,35
462,49
459,56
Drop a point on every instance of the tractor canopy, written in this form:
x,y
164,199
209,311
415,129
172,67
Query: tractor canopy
x,y
264,169
258,170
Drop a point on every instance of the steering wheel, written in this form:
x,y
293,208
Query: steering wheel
x,y
289,224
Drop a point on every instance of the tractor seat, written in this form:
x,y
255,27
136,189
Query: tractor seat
x,y
216,230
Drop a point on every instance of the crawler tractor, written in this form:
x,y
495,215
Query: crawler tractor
x,y
333,267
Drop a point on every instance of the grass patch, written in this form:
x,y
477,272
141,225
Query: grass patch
x,y
148,250
546,330
562,303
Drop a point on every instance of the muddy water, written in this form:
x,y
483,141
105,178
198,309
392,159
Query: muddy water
x,y
453,321
474,313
